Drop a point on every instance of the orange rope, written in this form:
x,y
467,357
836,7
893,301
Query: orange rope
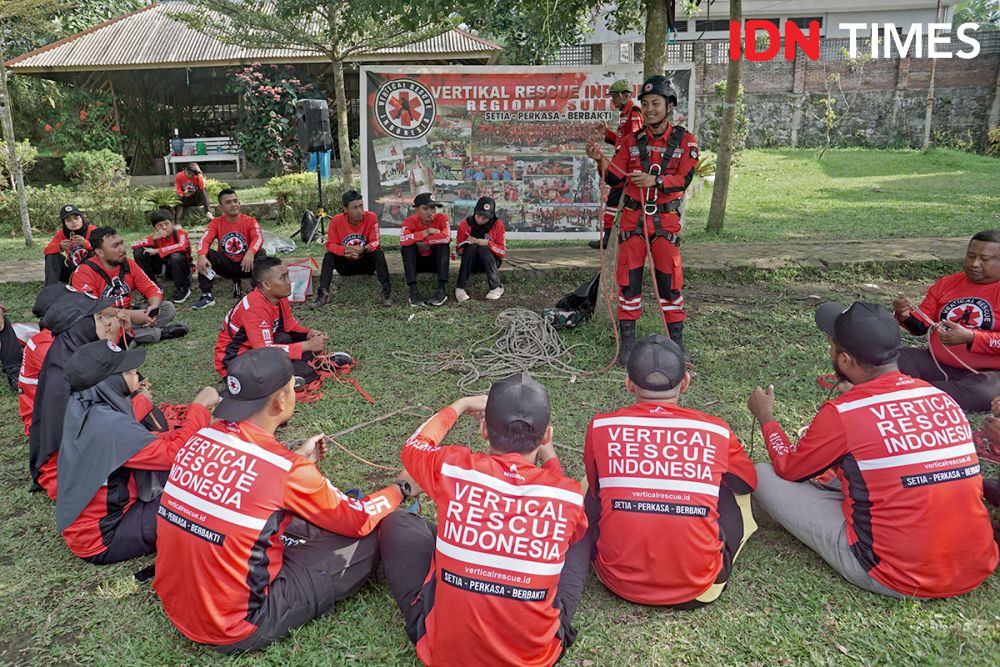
x,y
932,324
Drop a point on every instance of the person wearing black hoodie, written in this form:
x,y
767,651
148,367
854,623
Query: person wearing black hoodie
x,y
10,350
35,349
74,320
113,469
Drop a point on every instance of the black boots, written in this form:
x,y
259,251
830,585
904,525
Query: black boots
x,y
322,298
627,330
676,332
603,242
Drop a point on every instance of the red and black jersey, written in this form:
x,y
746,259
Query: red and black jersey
x,y
974,306
236,239
657,470
177,242
675,153
341,233
232,491
76,252
494,234
118,284
91,532
186,185
31,366
504,526
252,323
911,481
414,231
629,122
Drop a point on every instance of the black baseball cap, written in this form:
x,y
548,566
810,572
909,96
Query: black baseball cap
x,y
518,398
253,378
68,210
99,360
425,199
866,331
48,296
486,206
349,196
656,363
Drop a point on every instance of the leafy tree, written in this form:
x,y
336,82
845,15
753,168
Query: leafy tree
x,y
984,12
530,32
724,163
336,29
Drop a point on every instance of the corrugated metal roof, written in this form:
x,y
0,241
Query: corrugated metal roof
x,y
151,38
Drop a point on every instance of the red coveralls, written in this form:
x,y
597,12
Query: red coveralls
x,y
630,122
661,224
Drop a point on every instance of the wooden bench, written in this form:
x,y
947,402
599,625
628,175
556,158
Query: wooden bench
x,y
217,149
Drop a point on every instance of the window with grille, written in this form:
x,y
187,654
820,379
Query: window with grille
x,y
804,21
574,55
715,25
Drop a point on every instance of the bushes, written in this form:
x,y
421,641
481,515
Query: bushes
x,y
24,153
94,169
297,192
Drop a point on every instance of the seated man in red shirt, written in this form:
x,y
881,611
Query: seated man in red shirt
x,y
109,274
491,583
252,539
668,500
111,469
167,247
908,519
34,353
68,247
961,313
190,186
424,242
263,318
481,244
353,248
240,242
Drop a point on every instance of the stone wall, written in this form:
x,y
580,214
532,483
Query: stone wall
x,y
783,100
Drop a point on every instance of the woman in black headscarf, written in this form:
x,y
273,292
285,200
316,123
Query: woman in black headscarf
x,y
75,320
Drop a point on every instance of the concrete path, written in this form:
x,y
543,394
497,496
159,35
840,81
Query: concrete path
x,y
720,256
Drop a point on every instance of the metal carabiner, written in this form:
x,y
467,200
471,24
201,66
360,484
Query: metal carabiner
x,y
649,207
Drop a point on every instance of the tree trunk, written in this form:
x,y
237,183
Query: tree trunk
x,y
17,176
654,60
343,136
724,161
929,111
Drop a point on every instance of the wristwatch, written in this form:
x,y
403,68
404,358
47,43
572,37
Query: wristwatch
x,y
404,488
659,182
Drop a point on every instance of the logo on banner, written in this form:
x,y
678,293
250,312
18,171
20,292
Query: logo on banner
x,y
404,108
970,312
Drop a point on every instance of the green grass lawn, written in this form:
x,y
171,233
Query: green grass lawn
x,y
783,605
786,194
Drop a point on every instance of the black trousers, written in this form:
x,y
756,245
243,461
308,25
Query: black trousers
x,y
436,262
56,269
406,547
972,391
178,267
226,268
319,569
479,259
135,535
301,366
366,265
199,198
10,353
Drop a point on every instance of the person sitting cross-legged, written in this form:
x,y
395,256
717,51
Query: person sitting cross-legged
x,y
668,500
111,468
481,244
68,247
167,247
353,247
423,242
905,516
252,539
491,583
263,318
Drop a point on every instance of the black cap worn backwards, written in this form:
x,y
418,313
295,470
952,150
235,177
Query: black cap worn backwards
x,y
253,377
486,206
48,296
517,398
68,210
99,360
426,199
656,363
349,196
866,331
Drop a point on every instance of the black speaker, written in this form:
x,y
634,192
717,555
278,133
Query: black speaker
x,y
314,125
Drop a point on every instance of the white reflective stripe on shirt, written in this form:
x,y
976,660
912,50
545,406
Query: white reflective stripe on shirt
x,y
210,508
247,448
658,485
501,562
955,451
663,422
534,490
901,395
26,380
